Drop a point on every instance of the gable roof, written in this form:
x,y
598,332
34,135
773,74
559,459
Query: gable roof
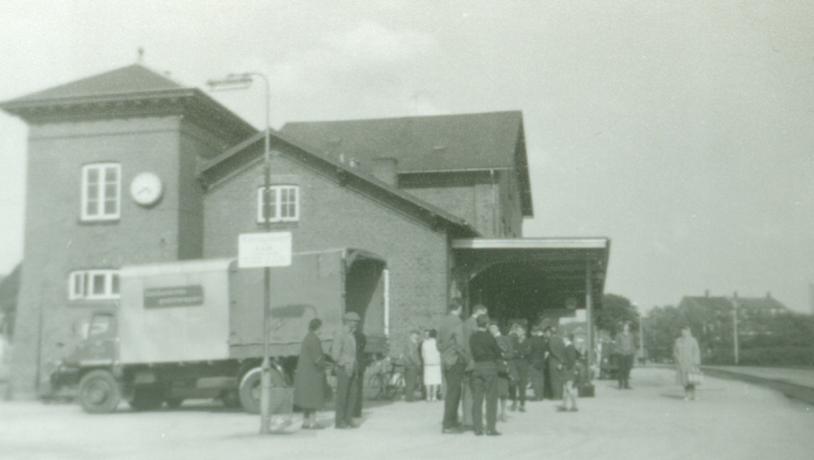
x,y
210,170
709,302
134,78
427,144
133,90
726,303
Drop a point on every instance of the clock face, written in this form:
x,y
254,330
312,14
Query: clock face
x,y
146,189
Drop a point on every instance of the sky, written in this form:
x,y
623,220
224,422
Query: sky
x,y
683,131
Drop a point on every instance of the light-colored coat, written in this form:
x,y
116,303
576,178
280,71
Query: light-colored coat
x,y
432,362
687,357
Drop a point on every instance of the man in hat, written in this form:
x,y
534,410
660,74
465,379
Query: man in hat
x,y
343,352
537,350
454,357
412,363
470,326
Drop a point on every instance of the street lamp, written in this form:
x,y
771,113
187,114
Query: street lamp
x,y
237,81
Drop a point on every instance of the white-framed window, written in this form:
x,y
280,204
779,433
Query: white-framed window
x,y
101,191
284,203
93,284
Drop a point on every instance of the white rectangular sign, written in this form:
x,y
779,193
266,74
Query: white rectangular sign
x,y
257,250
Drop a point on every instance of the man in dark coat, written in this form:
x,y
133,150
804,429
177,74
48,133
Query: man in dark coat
x,y
556,362
485,355
522,349
309,378
537,351
412,363
359,378
450,344
470,326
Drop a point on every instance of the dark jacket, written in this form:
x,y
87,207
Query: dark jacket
x,y
522,352
538,347
411,357
309,378
557,358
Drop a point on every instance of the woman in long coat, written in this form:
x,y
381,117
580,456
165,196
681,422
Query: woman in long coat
x,y
309,378
688,360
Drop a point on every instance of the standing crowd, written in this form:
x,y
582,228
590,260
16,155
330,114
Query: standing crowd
x,y
483,367
475,365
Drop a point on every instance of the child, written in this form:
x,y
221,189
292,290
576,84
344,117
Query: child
x,y
569,390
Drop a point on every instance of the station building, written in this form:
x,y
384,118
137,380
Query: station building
x,y
130,167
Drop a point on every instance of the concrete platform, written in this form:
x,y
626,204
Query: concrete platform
x,y
731,420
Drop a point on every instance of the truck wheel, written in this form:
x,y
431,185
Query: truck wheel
x,y
250,388
230,399
99,392
146,398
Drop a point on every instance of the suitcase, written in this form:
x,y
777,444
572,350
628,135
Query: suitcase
x,y
586,390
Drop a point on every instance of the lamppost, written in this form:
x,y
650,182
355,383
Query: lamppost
x,y
242,81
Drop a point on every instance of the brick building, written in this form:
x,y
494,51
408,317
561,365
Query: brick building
x,y
129,167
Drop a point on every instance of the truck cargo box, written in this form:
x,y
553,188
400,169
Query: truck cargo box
x,y
206,310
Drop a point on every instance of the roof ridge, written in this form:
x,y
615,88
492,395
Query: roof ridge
x,y
407,117
364,175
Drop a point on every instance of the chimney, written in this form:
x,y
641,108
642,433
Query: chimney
x,y
385,169
706,293
768,294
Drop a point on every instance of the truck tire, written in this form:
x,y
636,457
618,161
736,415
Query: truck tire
x,y
230,399
99,392
250,388
146,398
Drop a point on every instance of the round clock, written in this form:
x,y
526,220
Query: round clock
x,y
146,189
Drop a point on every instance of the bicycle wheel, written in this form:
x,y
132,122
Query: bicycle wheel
x,y
375,385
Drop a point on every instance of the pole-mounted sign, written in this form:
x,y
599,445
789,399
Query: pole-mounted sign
x,y
260,250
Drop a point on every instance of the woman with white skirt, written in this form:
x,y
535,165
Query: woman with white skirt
x,y
432,365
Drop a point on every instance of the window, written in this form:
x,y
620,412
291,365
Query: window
x,y
101,191
284,203
93,284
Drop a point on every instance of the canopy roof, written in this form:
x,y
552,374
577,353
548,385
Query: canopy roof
x,y
532,277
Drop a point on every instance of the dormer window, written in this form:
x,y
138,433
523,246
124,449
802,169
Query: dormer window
x,y
101,191
284,204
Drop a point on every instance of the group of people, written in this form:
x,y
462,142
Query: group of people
x,y
476,363
480,365
347,359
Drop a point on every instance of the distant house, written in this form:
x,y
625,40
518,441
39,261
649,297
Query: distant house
x,y
717,314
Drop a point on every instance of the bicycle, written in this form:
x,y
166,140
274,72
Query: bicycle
x,y
387,379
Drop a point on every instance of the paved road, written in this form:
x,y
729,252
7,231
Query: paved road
x,y
797,376
731,420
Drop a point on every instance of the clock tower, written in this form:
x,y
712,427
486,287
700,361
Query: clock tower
x,y
111,181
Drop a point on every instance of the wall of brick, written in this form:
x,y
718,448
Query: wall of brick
x,y
489,202
335,216
58,242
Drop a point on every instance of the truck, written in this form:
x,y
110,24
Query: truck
x,y
194,329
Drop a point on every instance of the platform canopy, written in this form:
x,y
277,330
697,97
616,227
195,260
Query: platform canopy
x,y
532,278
